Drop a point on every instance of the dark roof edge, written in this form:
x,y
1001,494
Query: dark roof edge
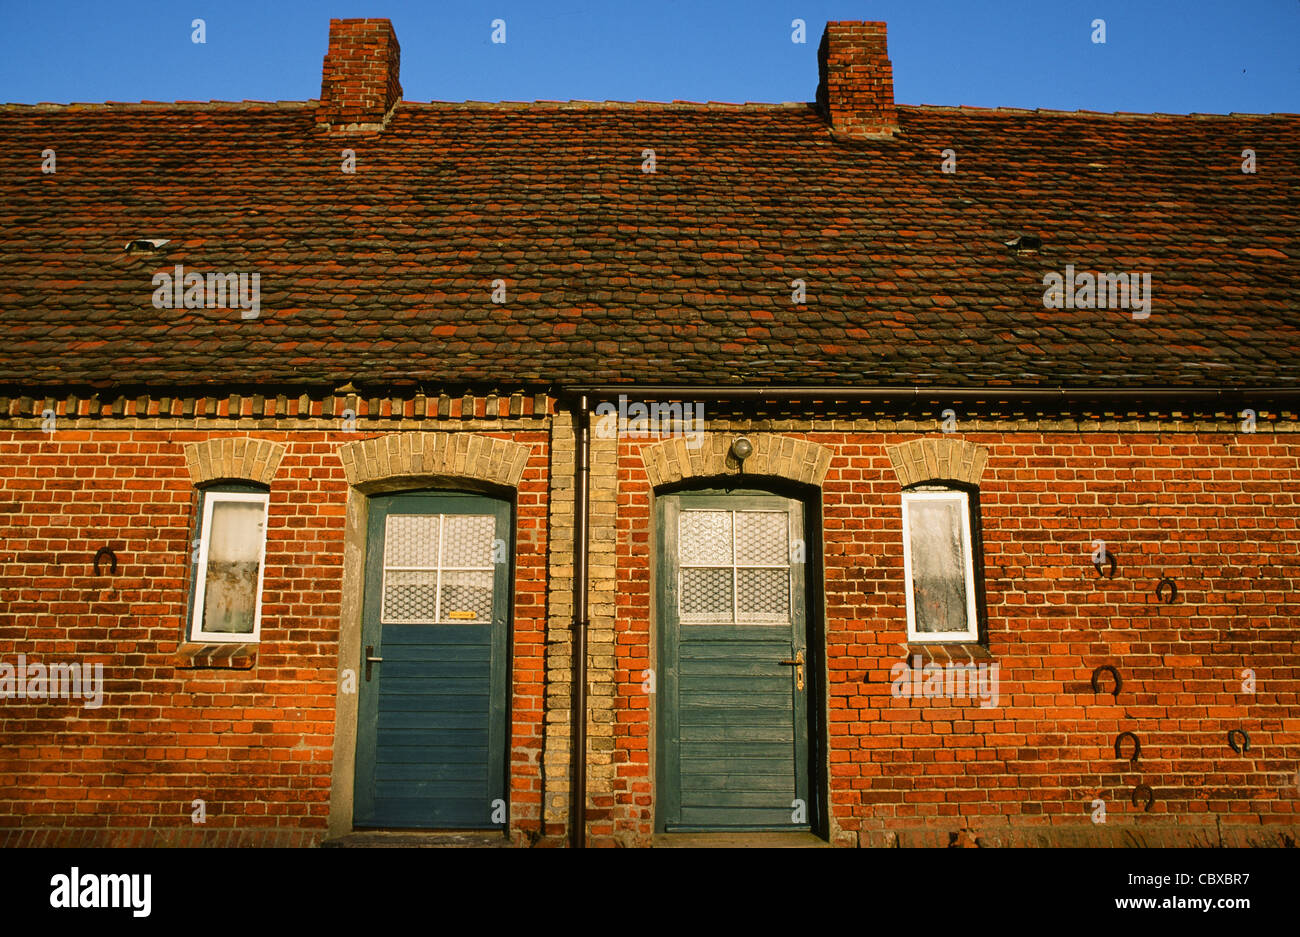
x,y
886,392
650,391
296,402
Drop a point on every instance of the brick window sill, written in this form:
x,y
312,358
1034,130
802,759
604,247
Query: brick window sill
x,y
959,652
232,656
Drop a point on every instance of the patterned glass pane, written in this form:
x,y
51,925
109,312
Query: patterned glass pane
x,y
762,538
706,594
467,596
764,594
409,596
938,565
704,538
411,540
467,540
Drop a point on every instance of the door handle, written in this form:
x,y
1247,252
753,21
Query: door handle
x,y
797,663
371,660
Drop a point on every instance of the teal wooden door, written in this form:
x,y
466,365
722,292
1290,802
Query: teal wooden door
x,y
431,731
732,709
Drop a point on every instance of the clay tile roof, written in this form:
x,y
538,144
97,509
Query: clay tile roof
x,y
615,274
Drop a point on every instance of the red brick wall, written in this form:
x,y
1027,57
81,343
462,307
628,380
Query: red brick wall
x,y
1219,514
256,744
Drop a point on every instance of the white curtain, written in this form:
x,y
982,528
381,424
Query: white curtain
x,y
234,552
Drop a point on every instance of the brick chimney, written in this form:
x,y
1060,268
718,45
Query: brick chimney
x,y
359,88
856,88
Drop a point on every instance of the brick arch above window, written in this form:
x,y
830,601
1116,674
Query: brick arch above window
x,y
233,457
774,456
450,455
922,460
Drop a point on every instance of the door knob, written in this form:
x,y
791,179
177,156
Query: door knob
x,y
797,663
371,660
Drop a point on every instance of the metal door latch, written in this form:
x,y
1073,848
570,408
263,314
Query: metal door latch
x,y
371,660
797,663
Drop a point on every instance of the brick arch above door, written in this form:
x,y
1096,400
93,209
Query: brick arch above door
x,y
920,460
774,456
467,456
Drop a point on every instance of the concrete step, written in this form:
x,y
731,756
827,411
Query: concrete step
x,y
739,841
417,839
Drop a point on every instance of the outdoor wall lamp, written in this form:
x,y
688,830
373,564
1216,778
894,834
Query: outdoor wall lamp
x,y
741,450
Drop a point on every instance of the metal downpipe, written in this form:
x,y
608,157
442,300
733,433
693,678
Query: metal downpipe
x,y
578,698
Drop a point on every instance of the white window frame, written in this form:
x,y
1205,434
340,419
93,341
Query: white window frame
x,y
971,634
197,634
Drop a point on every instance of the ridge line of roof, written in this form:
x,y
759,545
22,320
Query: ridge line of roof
x,y
45,106
159,105
1053,112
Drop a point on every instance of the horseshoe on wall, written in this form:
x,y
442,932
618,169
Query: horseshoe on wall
x,y
1150,796
1113,565
112,557
1173,590
1137,746
1096,681
1243,745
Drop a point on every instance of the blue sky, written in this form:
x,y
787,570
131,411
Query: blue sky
x,y
1175,56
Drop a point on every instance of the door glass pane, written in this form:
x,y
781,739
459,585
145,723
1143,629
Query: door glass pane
x,y
763,594
234,553
762,538
706,594
462,577
467,596
467,540
410,596
734,566
411,540
704,538
938,564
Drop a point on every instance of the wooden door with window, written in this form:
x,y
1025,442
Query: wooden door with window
x,y
431,732
732,704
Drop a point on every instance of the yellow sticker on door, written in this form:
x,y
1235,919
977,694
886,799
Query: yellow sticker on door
x,y
472,616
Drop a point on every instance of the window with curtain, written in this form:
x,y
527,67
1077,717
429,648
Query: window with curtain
x,y
229,563
939,564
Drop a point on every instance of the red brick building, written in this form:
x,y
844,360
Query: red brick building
x,y
817,456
